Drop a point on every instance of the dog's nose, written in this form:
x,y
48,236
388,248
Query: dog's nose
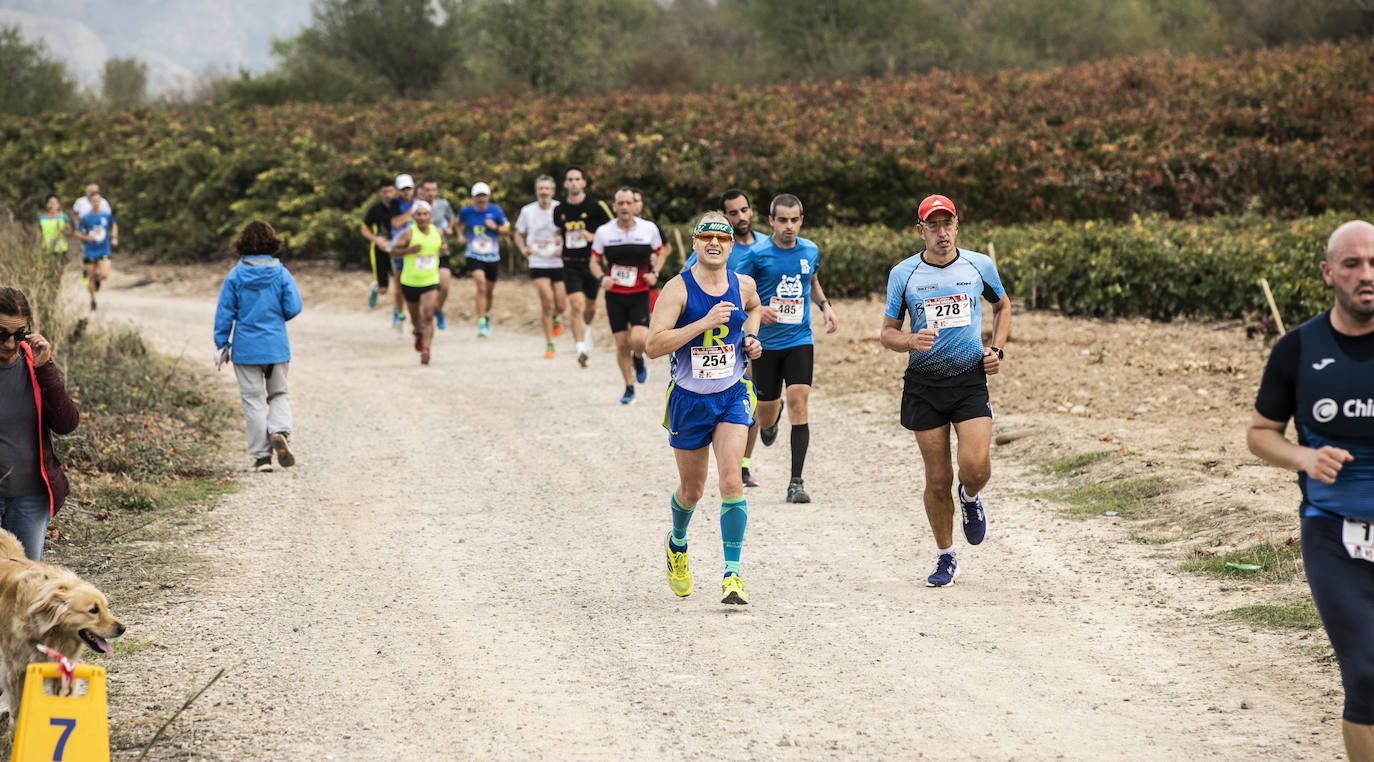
x,y
119,629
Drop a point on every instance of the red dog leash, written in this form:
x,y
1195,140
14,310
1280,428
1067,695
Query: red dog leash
x,y
67,667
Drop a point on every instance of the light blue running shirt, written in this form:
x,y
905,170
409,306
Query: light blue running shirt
x,y
951,299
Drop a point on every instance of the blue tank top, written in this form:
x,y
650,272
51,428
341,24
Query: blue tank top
x,y
712,361
1335,406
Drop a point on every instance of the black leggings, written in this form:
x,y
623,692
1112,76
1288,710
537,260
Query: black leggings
x,y
1343,589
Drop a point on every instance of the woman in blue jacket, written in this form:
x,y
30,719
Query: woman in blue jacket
x,y
255,302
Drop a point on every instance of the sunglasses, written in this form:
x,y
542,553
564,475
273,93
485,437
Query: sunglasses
x,y
717,237
18,335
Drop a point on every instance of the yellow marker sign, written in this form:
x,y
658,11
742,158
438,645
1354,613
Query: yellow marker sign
x,y
62,728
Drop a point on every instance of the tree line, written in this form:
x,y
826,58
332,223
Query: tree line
x,y
368,51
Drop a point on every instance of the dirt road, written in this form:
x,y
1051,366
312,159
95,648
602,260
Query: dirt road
x,y
467,563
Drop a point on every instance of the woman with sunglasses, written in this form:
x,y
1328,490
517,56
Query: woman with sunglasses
x,y
33,406
708,317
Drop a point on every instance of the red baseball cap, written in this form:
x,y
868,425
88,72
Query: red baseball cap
x,y
933,204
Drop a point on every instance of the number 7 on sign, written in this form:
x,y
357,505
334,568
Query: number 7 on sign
x,y
67,725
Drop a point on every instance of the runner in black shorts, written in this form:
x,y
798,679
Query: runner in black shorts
x,y
1319,374
625,255
577,219
943,289
787,270
537,237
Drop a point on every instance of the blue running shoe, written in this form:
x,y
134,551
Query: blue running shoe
x,y
943,576
628,396
372,297
975,521
439,321
641,370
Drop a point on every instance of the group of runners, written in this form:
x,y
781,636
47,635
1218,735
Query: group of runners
x,y
92,222
736,324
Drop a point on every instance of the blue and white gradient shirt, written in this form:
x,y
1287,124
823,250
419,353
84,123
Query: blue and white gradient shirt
x,y
784,282
949,298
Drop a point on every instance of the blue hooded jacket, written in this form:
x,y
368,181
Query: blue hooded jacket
x,y
255,302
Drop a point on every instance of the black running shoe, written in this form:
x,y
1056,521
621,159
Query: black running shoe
x,y
796,493
769,434
263,464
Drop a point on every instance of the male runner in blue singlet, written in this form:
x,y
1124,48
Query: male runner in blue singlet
x,y
707,318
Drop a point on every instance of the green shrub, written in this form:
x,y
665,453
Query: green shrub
x,y
1280,132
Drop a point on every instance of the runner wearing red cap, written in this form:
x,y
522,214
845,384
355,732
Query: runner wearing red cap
x,y
942,289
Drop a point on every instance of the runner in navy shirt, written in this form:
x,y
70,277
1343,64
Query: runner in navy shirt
x,y
1321,374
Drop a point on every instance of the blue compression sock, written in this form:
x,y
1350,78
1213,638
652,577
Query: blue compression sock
x,y
734,515
682,516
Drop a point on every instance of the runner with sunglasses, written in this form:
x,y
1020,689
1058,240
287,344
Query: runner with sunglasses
x,y
707,318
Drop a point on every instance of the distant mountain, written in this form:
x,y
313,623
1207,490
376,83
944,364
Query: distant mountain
x,y
178,39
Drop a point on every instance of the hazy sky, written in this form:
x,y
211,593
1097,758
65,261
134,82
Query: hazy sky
x,y
179,39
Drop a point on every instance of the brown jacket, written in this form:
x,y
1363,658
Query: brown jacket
x,y
56,413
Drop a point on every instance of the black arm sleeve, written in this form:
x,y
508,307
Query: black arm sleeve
x,y
1277,397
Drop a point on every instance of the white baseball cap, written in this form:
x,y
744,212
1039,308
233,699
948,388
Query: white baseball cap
x,y
404,181
481,189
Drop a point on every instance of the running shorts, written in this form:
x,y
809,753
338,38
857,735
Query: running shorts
x,y
412,293
554,274
625,310
93,260
446,262
691,418
930,407
776,366
398,264
1343,589
578,278
490,269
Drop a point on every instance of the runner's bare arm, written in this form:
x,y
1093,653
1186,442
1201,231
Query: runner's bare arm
x,y
671,301
114,233
520,243
893,337
402,246
1001,331
1265,439
749,296
655,262
832,323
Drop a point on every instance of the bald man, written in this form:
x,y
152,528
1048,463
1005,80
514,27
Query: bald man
x,y
1321,374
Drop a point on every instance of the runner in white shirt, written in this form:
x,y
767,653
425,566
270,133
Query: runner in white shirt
x,y
539,239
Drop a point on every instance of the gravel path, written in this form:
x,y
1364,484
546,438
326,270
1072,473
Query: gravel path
x,y
467,563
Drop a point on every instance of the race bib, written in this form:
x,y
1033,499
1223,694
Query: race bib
x,y
625,276
790,311
482,246
545,248
948,311
1359,539
98,234
426,262
711,363
574,240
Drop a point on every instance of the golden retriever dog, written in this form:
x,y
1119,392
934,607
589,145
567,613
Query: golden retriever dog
x,y
42,603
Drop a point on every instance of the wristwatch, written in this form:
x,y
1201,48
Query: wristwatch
x,y
997,352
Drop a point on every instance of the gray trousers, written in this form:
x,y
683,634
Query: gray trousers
x,y
266,406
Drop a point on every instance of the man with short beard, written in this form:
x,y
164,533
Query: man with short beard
x,y
943,290
1321,374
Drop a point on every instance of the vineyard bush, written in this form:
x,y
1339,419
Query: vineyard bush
x,y
1281,132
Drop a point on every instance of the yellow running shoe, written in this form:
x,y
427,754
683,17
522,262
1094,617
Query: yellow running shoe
x,y
679,576
732,590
